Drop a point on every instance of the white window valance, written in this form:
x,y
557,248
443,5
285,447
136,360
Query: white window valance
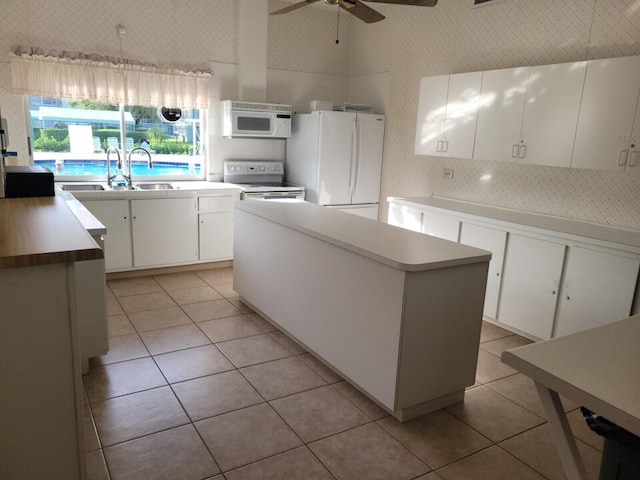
x,y
77,75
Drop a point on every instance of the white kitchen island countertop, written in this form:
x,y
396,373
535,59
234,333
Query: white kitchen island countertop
x,y
387,244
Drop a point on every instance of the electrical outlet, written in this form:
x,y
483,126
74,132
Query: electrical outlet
x,y
447,173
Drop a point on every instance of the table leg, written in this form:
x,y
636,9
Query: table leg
x,y
561,434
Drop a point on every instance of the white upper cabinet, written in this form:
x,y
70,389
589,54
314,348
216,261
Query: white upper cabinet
x,y
606,137
502,99
529,114
551,114
447,115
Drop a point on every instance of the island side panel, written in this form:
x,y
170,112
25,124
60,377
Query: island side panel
x,y
41,403
441,333
342,306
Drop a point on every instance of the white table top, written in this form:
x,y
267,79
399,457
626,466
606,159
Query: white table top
x,y
393,246
597,368
537,220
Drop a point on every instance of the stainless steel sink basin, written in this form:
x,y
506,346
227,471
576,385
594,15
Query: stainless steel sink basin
x,y
121,187
154,186
77,187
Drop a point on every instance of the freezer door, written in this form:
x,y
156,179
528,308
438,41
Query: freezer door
x,y
336,157
368,159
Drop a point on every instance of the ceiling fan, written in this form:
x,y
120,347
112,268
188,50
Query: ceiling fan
x,y
357,8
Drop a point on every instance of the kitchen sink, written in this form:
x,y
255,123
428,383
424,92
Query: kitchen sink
x,y
77,187
121,187
154,186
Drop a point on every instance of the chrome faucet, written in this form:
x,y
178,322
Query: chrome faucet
x,y
128,177
110,177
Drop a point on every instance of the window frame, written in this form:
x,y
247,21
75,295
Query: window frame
x,y
204,137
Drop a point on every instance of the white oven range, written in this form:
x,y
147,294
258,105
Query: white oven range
x,y
261,180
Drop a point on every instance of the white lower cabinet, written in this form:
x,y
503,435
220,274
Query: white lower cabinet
x,y
165,231
441,226
597,288
215,223
494,241
532,273
542,283
216,236
156,232
116,216
405,217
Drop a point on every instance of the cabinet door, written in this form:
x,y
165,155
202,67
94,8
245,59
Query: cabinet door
x,y
115,215
597,288
405,217
165,231
494,241
216,236
432,107
368,158
633,163
551,114
461,115
336,157
607,113
439,225
532,270
502,98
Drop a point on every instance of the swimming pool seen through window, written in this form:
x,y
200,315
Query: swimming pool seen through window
x,y
72,138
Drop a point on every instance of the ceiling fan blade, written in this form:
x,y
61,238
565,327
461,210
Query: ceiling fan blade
x,y
417,3
293,7
360,10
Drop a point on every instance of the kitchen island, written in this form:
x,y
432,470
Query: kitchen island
x,y
42,250
396,313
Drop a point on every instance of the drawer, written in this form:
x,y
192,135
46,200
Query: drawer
x,y
215,204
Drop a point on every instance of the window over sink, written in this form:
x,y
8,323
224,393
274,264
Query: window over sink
x,y
72,137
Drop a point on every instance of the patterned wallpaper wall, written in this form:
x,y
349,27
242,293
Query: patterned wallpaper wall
x,y
304,40
455,37
167,32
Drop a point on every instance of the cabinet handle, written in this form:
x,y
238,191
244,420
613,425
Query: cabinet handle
x,y
445,146
622,158
568,297
523,151
633,158
515,151
498,274
439,146
553,292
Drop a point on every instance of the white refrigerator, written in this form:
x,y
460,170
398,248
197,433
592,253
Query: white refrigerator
x,y
337,157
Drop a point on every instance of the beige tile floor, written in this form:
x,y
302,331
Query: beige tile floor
x,y
197,386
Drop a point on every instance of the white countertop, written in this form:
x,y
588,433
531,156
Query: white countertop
x,y
598,368
393,246
546,222
180,189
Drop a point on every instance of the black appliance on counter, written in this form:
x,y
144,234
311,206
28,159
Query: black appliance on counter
x,y
23,181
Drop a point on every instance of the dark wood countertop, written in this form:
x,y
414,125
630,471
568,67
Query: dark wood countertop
x,y
42,231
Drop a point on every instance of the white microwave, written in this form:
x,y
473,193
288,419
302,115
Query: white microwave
x,y
251,119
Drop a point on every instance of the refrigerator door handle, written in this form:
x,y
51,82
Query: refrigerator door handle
x,y
356,158
352,174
